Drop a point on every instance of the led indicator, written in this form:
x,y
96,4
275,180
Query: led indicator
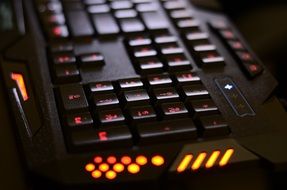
x,y
212,159
98,159
197,163
111,175
226,157
111,159
118,167
19,79
90,167
141,160
126,160
104,167
133,168
184,163
96,174
157,160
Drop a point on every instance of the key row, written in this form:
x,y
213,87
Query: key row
x,y
157,53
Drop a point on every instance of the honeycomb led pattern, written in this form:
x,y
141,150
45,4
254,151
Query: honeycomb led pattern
x,y
111,166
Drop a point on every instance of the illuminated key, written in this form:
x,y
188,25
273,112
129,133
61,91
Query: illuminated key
x,y
226,157
199,160
212,159
184,163
19,79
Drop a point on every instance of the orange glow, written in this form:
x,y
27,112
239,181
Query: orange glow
x,y
226,157
126,160
98,159
111,175
133,168
104,167
90,167
19,79
157,160
141,160
111,159
197,163
212,159
184,163
96,174
118,167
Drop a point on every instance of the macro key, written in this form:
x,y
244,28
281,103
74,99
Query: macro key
x,y
98,87
173,110
105,100
167,94
79,120
111,117
142,113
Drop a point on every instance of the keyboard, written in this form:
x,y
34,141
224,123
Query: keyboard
x,y
125,94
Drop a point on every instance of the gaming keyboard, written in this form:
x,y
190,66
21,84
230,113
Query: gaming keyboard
x,y
136,94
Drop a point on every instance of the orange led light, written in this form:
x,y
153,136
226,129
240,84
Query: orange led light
x,y
111,159
118,167
19,79
212,159
111,175
226,157
98,159
96,174
104,167
184,163
157,160
126,160
90,167
141,160
133,168
197,163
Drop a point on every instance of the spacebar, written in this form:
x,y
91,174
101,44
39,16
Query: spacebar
x,y
166,131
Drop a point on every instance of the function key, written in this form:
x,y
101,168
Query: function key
x,y
195,91
159,80
112,137
253,69
214,125
139,40
150,65
167,131
236,45
204,106
105,100
187,77
77,121
104,86
130,83
64,58
92,59
136,97
73,98
66,74
165,94
142,113
245,56
228,34
177,62
114,116
173,110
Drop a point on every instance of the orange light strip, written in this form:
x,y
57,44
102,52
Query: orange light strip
x,y
184,163
226,157
197,163
19,79
212,159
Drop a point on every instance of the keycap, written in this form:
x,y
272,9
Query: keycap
x,y
136,97
195,91
186,24
187,77
72,98
97,87
105,100
168,131
94,2
180,14
211,58
170,48
177,62
112,137
66,74
228,34
128,13
113,116
55,19
165,94
173,110
73,6
131,25
64,58
80,24
132,83
147,7
123,4
144,51
204,106
79,120
236,45
139,40
159,80
214,125
105,24
154,21
142,113
252,69
150,65
165,38
92,59
173,5
59,32
61,47
98,9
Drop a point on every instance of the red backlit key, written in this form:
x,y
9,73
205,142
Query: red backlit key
x,y
144,51
60,31
92,59
165,94
64,58
195,91
136,97
130,83
178,62
187,77
150,65
173,110
79,120
105,100
142,113
114,116
170,48
97,87
159,80
139,40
